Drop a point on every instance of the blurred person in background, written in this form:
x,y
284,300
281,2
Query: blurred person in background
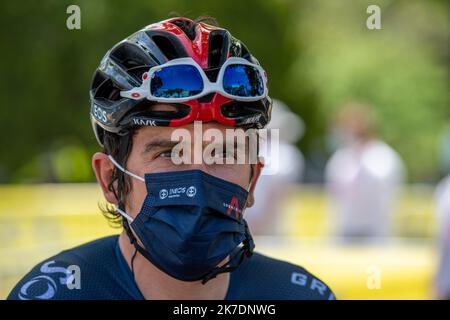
x,y
281,170
442,202
362,177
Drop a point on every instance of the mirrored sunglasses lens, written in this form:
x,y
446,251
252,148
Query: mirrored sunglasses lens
x,y
179,81
243,81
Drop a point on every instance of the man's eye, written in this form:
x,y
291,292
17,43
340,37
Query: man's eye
x,y
165,154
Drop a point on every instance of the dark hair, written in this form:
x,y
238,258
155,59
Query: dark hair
x,y
189,26
119,147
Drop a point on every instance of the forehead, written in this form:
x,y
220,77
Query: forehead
x,y
147,133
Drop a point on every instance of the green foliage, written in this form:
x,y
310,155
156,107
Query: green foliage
x,y
317,55
401,70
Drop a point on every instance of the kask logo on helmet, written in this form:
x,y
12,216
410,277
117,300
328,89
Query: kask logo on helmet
x,y
144,122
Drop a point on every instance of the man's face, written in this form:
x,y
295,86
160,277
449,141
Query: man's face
x,y
151,153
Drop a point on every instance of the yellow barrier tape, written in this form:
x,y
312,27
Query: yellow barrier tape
x,y
37,221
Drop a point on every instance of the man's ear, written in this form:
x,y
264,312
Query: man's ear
x,y
256,173
104,169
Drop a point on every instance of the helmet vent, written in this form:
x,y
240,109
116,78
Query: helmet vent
x,y
218,49
107,90
166,46
187,26
131,56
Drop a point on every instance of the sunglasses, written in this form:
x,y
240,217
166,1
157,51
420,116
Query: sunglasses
x,y
183,79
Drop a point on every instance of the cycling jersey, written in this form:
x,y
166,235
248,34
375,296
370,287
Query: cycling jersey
x,y
98,270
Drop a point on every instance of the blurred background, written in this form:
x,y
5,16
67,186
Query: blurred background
x,y
365,134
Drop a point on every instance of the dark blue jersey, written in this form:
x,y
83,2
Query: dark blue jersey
x,y
98,270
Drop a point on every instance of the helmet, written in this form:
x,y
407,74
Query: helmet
x,y
124,65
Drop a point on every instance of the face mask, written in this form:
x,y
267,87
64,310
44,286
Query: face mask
x,y
189,222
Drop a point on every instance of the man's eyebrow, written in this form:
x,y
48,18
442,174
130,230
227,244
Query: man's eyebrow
x,y
159,143
163,143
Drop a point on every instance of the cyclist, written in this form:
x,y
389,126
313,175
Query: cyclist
x,y
184,236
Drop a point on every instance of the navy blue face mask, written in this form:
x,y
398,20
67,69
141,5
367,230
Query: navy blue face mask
x,y
189,223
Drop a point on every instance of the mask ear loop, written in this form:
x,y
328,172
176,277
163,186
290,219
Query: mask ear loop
x,y
125,170
127,217
122,212
133,242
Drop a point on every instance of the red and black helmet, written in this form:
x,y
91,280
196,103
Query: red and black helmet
x,y
123,66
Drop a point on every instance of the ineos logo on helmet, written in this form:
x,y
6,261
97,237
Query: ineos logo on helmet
x,y
99,114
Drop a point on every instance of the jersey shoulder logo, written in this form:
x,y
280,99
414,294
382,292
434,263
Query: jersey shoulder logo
x,y
45,287
311,283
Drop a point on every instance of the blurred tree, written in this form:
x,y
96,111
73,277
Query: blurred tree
x,y
402,70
